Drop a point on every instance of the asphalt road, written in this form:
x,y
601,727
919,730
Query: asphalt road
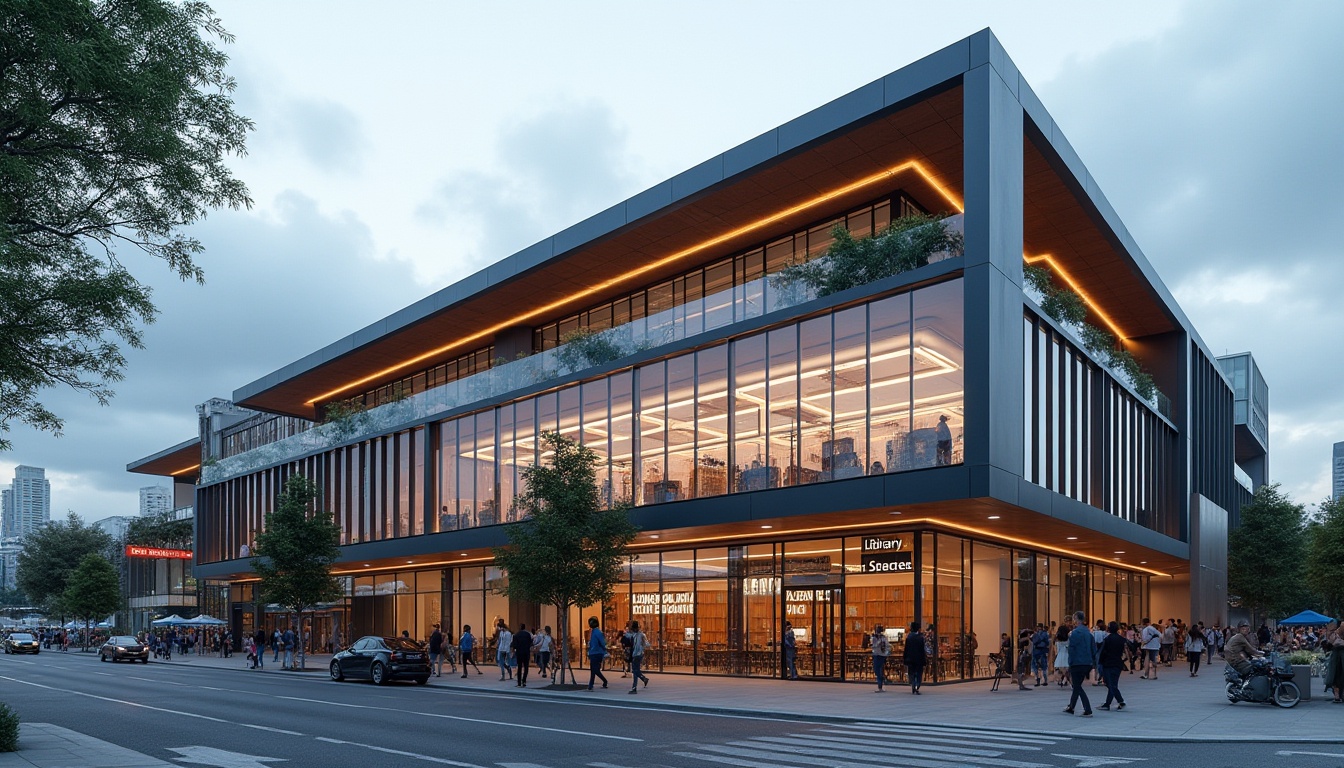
x,y
219,717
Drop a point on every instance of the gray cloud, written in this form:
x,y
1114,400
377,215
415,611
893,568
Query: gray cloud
x,y
276,289
551,169
1217,141
329,135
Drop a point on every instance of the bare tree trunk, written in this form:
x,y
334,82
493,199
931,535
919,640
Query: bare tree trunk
x,y
564,641
300,641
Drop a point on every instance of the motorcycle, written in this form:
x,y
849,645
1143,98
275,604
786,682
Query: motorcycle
x,y
1271,680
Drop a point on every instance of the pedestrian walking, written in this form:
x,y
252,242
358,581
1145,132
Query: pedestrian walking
x,y
520,645
467,646
914,657
790,652
1111,659
288,640
1152,646
1167,644
638,642
1040,652
1062,653
436,651
1023,659
543,643
503,651
275,646
1194,649
881,648
1082,659
597,652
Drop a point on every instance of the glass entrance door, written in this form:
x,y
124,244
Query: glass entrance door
x,y
816,612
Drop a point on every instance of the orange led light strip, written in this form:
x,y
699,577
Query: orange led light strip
x,y
1096,310
754,226
184,471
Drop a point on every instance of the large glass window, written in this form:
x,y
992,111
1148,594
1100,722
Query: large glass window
x,y
711,421
653,434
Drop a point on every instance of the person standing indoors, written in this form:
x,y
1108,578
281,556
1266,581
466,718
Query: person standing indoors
x,y
522,653
1152,646
466,644
1194,649
1082,659
915,657
542,642
1111,659
881,648
638,643
597,651
790,652
436,651
503,650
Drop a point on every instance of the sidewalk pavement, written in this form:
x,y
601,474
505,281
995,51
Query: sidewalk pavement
x,y
42,745
1173,707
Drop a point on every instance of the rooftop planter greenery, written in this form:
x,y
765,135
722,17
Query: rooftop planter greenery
x,y
908,243
1067,308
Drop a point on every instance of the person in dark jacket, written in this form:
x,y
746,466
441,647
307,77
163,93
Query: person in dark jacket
x,y
1111,659
915,657
1082,658
522,653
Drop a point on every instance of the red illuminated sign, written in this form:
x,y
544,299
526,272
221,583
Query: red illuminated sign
x,y
155,552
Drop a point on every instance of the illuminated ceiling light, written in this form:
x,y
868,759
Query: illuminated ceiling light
x,y
366,565
767,527
653,536
1096,310
746,229
409,562
993,517
1071,538
1119,551
1143,562
464,554
184,471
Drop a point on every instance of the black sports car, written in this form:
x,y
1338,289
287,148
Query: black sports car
x,y
120,647
382,659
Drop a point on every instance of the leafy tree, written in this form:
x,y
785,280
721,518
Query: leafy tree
x,y
296,551
161,530
1325,555
1266,555
51,554
92,592
569,551
115,120
906,244
13,598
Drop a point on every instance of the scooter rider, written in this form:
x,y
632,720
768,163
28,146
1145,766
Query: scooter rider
x,y
1240,649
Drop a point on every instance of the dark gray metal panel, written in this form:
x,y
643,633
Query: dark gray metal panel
x,y
698,178
648,201
751,153
853,106
591,228
993,294
927,485
930,71
501,270
535,254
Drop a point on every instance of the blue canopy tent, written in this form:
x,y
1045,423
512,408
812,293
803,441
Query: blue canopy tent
x,y
1305,618
169,621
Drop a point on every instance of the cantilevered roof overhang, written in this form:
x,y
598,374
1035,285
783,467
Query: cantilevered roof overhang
x,y
182,462
903,132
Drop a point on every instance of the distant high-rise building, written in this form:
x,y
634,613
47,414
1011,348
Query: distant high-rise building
x,y
28,503
155,500
10,549
114,526
1337,474
6,513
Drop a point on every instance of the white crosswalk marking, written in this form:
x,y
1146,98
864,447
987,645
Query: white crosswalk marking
x,y
863,745
909,737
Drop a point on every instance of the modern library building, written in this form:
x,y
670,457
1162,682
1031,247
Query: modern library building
x,y
802,436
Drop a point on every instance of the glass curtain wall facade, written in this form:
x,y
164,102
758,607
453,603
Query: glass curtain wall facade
x,y
862,390
721,610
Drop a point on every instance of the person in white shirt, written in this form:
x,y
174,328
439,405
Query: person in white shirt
x,y
542,643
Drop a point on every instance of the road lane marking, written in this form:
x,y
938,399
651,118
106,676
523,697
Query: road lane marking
x,y
866,751
1285,753
401,753
886,728
146,706
776,758
462,719
220,758
1097,761
903,738
570,702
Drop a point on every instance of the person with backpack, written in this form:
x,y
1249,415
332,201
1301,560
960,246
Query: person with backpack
x,y
1040,652
881,648
1151,637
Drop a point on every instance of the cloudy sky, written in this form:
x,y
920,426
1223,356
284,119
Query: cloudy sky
x,y
400,151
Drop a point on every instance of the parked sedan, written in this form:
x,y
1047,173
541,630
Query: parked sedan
x,y
22,642
120,647
382,659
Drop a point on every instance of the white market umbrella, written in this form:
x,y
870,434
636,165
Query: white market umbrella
x,y
204,620
169,621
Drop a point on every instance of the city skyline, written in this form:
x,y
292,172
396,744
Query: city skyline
x,y
357,199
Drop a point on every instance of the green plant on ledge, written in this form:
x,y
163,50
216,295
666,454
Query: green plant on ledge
x,y
1067,308
9,729
908,243
584,348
